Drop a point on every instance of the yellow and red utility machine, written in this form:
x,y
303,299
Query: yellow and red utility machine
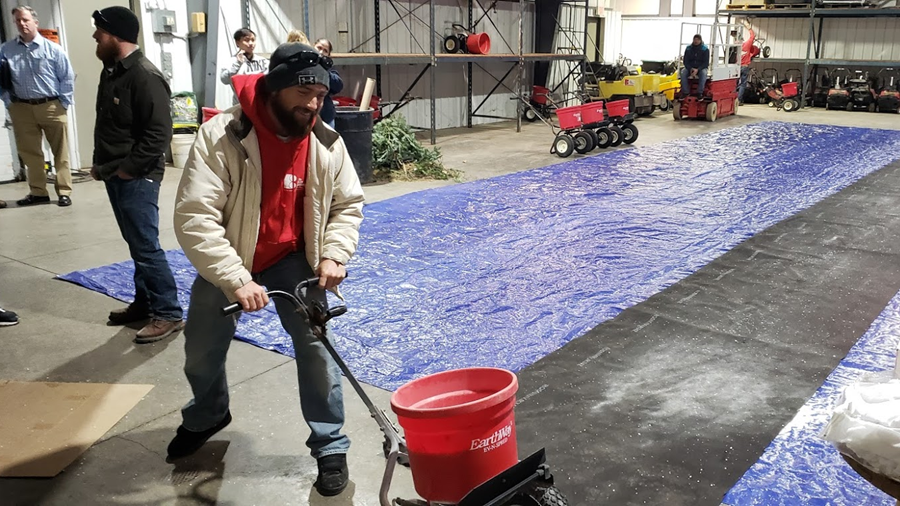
x,y
719,98
644,88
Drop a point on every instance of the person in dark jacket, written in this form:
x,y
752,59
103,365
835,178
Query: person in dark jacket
x,y
696,65
336,84
133,130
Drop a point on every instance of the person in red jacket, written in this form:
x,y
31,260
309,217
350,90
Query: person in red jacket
x,y
746,56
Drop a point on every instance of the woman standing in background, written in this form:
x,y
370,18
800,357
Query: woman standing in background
x,y
323,46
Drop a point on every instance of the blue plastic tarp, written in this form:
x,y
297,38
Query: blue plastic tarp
x,y
799,468
503,271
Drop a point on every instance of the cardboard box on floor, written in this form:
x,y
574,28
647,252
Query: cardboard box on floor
x,y
44,427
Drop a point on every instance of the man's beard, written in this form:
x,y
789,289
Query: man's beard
x,y
294,125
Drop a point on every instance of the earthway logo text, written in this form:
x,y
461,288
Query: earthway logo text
x,y
497,439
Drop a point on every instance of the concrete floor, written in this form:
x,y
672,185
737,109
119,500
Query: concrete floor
x,y
260,458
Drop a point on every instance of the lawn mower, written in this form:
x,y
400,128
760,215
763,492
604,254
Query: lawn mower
x,y
755,93
624,81
720,97
888,91
819,96
784,97
862,95
839,94
460,430
786,94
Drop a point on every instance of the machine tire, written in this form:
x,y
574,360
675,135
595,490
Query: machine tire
x,y
529,115
583,142
665,106
564,145
712,112
676,111
595,139
604,138
849,106
629,133
788,106
451,44
871,107
538,494
827,106
767,52
771,103
737,103
617,135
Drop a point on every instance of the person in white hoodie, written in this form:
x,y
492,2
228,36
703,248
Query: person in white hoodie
x,y
245,61
269,196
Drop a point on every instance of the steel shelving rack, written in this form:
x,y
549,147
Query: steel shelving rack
x,y
517,58
817,16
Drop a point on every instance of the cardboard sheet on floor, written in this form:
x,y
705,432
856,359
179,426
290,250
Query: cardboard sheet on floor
x,y
44,427
502,271
676,398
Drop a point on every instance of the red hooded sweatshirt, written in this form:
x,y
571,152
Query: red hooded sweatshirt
x,y
284,164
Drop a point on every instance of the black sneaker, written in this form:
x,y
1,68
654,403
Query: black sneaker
x,y
333,474
8,318
130,314
186,442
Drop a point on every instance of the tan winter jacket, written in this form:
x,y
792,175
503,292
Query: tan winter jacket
x,y
217,208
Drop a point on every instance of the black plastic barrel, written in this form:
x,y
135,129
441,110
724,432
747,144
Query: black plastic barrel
x,y
355,127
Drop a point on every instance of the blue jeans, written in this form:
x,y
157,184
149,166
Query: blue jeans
x,y
135,203
686,85
208,335
745,73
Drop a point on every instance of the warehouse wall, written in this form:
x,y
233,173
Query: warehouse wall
x,y
849,38
350,24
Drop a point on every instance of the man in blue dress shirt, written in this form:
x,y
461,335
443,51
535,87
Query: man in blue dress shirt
x,y
38,87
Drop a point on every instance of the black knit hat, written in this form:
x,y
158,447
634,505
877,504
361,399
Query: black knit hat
x,y
296,64
118,21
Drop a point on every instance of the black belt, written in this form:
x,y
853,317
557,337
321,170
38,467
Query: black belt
x,y
34,101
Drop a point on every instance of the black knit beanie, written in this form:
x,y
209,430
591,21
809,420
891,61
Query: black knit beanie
x,y
118,21
296,64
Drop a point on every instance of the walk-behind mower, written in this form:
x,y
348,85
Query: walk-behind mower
x,y
862,96
720,98
786,94
460,437
839,94
888,91
822,84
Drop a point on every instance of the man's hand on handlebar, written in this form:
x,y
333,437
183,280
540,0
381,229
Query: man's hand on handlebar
x,y
330,273
252,297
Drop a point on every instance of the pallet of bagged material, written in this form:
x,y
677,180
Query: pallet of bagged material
x,y
746,4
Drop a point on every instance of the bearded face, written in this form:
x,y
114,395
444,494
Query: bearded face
x,y
296,108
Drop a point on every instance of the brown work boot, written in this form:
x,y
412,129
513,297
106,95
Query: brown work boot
x,y
157,330
131,314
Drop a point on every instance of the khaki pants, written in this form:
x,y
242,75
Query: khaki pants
x,y
30,122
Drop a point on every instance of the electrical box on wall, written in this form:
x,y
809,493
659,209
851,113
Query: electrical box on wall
x,y
198,22
163,21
